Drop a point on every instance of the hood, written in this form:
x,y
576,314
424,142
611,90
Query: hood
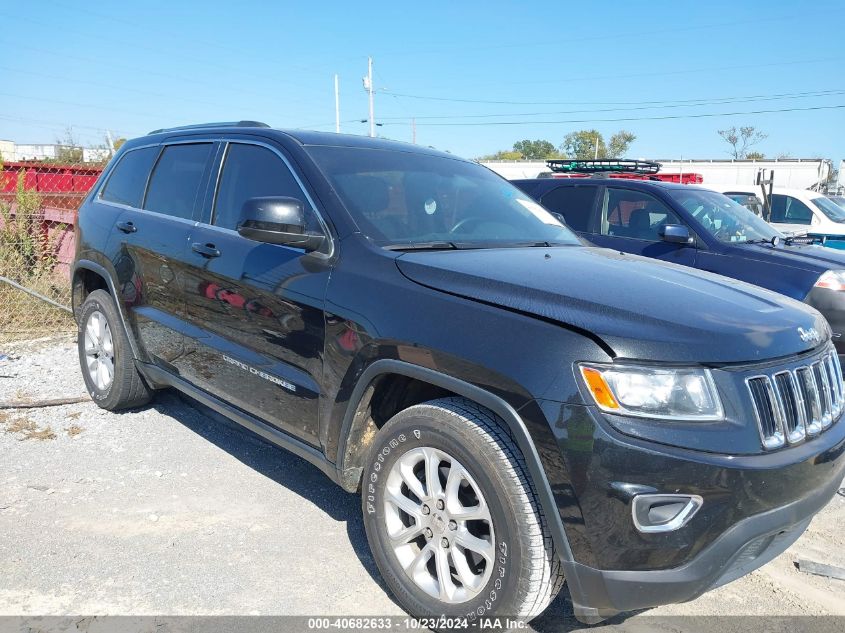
x,y
812,258
641,308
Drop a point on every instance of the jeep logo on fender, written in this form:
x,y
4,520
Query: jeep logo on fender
x,y
810,335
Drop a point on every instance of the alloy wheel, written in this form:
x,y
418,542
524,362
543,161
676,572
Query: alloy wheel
x,y
439,525
99,350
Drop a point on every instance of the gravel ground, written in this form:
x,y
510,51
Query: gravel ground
x,y
164,510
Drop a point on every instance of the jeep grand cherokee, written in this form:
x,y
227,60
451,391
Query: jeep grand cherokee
x,y
514,407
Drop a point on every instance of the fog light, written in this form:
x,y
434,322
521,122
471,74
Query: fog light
x,y
663,513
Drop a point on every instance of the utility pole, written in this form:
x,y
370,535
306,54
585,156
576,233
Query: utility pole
x,y
596,157
368,86
110,142
413,131
336,104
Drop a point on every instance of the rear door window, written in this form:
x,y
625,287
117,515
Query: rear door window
x,y
575,204
634,215
129,177
177,178
789,210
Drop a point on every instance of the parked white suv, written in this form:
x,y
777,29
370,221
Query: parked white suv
x,y
798,210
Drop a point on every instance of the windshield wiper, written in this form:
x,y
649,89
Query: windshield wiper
x,y
422,246
544,244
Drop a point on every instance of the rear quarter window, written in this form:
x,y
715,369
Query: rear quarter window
x,y
125,184
575,204
177,178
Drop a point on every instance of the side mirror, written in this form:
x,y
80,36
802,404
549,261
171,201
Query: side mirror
x,y
277,220
676,234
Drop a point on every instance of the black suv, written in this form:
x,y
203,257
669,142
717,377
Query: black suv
x,y
514,407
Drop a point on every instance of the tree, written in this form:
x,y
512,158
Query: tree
x,y
526,150
755,156
740,139
582,144
118,142
68,150
502,155
535,150
619,143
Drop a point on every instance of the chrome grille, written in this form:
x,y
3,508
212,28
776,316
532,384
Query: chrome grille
x,y
792,405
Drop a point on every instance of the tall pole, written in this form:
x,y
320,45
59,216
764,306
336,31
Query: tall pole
x,y
336,105
372,100
413,130
596,157
110,142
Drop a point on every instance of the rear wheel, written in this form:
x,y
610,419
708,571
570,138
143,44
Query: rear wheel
x,y
105,356
452,517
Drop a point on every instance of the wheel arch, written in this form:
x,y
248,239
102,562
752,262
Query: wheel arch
x,y
85,272
356,433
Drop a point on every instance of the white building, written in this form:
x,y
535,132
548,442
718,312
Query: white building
x,y
95,154
7,150
35,152
11,151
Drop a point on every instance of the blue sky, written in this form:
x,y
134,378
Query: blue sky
x,y
132,67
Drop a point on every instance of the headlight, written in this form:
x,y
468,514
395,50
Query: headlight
x,y
669,394
832,280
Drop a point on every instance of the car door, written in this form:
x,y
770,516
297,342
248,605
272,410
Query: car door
x,y
150,244
256,310
631,221
790,215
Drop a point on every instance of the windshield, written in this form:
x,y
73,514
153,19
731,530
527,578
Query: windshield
x,y
839,200
405,198
830,209
723,218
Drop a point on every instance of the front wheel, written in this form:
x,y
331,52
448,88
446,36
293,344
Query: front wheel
x,y
452,517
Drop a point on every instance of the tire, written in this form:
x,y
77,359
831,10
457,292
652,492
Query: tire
x,y
525,573
105,356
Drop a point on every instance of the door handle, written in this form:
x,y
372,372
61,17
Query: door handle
x,y
206,250
126,227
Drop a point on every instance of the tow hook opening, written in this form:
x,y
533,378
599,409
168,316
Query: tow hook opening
x,y
664,513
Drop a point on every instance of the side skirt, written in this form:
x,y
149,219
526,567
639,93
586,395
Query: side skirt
x,y
162,378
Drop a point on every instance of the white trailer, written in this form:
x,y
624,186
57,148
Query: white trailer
x,y
792,173
795,173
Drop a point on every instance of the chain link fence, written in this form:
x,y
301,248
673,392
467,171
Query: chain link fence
x,y
38,206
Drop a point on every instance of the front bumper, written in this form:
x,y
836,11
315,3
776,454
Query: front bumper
x,y
747,545
755,506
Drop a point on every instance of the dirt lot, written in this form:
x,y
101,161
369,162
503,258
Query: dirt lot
x,y
167,511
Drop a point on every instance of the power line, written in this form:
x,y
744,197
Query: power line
x,y
215,63
559,43
601,78
622,119
691,103
173,34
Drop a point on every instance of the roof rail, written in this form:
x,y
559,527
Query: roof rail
x,y
612,165
200,126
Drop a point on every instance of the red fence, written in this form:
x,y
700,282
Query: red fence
x,y
60,190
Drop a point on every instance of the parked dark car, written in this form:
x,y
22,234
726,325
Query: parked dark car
x,y
514,407
697,227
